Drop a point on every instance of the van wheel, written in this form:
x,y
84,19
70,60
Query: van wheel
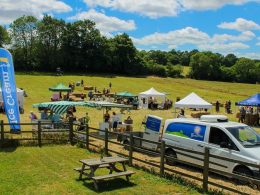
x,y
244,171
172,154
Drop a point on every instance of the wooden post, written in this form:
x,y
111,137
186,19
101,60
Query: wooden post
x,y
39,134
87,136
106,142
131,149
162,158
206,170
2,131
71,130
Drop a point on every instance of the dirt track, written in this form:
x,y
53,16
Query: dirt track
x,y
180,168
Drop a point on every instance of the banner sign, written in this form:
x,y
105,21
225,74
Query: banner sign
x,y
8,85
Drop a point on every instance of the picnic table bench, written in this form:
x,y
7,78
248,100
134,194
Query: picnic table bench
x,y
91,165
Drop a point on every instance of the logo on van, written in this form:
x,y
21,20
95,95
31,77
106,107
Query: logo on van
x,y
193,131
197,132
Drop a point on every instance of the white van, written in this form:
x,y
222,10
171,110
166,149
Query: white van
x,y
226,139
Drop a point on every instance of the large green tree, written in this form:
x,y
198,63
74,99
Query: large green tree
x,y
82,46
245,70
24,38
4,37
205,65
125,58
50,33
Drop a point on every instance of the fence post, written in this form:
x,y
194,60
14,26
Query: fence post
x,y
87,136
2,131
39,134
71,130
106,142
131,144
162,158
206,170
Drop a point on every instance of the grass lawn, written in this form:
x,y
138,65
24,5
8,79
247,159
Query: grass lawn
x,y
37,86
49,170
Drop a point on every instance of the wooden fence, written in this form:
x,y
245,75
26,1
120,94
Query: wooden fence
x,y
84,136
206,158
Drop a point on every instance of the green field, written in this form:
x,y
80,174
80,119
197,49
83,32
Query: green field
x,y
49,170
37,86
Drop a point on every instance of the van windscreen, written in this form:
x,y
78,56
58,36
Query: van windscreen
x,y
245,135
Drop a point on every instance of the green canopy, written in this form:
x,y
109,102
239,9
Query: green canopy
x,y
60,87
125,94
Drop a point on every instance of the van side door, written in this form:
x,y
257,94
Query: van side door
x,y
220,144
187,136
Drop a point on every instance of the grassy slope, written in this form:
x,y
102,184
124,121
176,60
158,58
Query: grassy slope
x,y
37,89
49,170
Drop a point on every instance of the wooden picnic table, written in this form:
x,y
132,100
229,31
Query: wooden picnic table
x,y
89,167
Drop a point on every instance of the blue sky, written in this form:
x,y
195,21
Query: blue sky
x,y
223,26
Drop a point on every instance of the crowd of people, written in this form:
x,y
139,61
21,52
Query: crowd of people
x,y
248,115
114,120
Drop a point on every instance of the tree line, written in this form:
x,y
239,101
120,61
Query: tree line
x,y
43,45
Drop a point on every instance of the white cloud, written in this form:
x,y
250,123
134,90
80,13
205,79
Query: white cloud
x,y
11,10
257,44
252,55
244,36
211,4
152,9
183,36
162,8
240,24
106,24
223,48
222,43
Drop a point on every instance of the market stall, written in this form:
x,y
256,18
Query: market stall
x,y
149,99
59,88
251,116
195,102
127,98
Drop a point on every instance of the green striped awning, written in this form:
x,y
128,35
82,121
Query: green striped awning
x,y
59,107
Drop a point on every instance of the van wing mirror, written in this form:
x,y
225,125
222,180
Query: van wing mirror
x,y
223,144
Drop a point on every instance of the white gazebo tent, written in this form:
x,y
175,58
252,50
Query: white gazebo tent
x,y
20,97
148,94
193,101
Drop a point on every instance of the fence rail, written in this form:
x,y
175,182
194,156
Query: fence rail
x,y
83,136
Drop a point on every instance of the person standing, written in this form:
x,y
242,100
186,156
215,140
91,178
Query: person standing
x,y
82,83
32,116
110,85
217,106
44,115
115,121
106,117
